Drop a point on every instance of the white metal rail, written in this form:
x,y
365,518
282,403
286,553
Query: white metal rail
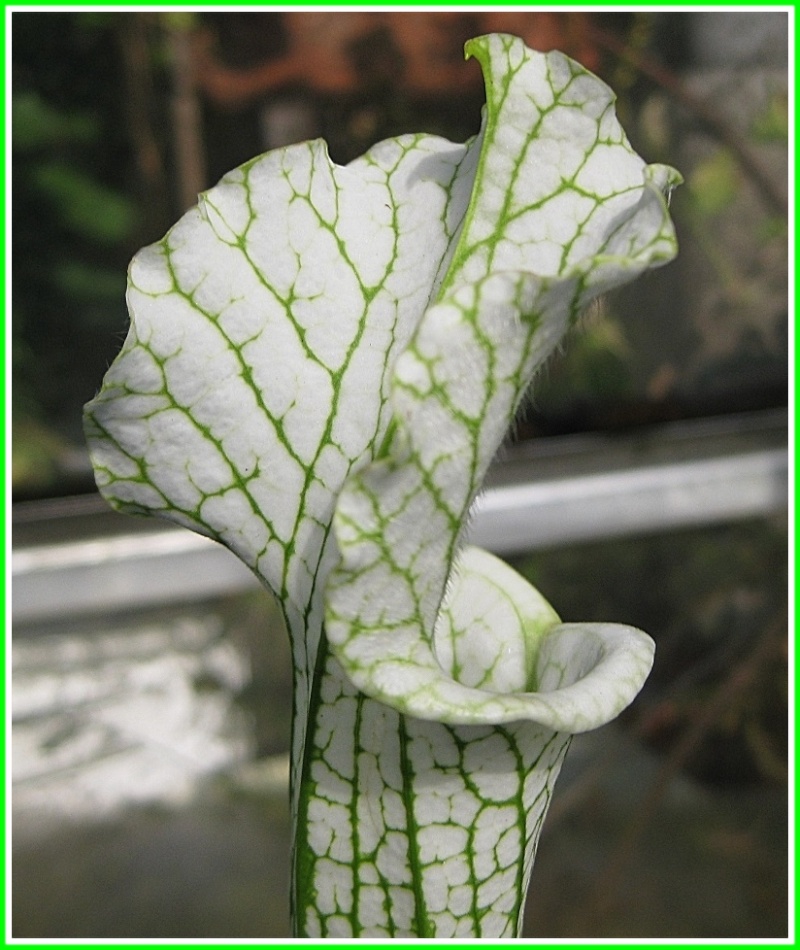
x,y
553,492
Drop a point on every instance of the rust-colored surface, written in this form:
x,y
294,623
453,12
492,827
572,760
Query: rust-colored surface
x,y
421,54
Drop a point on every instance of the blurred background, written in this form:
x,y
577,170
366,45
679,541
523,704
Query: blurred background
x,y
151,682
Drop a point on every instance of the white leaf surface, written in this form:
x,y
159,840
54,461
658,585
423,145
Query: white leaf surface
x,y
321,364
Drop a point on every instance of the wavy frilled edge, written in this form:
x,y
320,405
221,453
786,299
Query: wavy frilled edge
x,y
399,521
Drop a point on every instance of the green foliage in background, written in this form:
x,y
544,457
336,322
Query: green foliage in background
x,y
74,222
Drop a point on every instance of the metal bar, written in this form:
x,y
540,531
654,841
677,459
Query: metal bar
x,y
130,570
523,517
559,492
